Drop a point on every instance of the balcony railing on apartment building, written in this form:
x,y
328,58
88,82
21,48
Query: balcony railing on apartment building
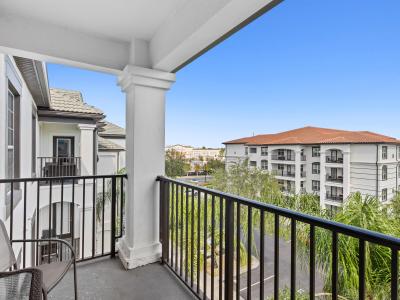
x,y
303,157
198,223
334,197
330,178
282,157
59,166
54,211
337,160
284,173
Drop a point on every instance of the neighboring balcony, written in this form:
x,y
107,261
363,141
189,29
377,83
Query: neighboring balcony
x,y
334,156
303,157
333,178
59,166
284,173
282,157
334,197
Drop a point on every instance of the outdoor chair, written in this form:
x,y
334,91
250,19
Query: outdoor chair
x,y
25,283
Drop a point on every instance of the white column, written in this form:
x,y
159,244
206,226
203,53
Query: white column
x,y
86,148
145,159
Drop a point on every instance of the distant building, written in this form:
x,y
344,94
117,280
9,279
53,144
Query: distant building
x,y
331,163
197,156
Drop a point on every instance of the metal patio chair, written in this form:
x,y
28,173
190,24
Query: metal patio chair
x,y
49,274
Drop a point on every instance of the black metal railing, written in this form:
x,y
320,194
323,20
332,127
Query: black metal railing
x,y
207,241
59,166
284,173
338,178
88,213
332,159
334,197
282,157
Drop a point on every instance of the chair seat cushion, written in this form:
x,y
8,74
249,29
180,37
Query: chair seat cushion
x,y
53,273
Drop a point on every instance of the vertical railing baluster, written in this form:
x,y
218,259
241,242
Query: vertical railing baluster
x,y
177,226
50,204
24,230
249,247
182,226
73,218
83,217
221,246
262,250
312,262
229,244
37,221
94,217
187,234
361,270
334,265
121,207
192,240
293,259
113,223
276,257
62,216
212,243
394,274
198,240
102,216
238,262
173,225
205,249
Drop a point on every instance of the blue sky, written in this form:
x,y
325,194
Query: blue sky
x,y
323,63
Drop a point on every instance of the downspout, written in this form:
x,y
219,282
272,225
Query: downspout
x,y
377,176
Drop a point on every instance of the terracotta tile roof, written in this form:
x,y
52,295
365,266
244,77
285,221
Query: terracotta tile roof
x,y
105,144
70,101
110,129
315,135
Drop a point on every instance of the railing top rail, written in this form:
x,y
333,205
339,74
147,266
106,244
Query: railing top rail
x,y
357,232
35,179
58,157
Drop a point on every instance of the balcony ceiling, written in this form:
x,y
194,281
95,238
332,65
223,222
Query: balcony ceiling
x,y
111,34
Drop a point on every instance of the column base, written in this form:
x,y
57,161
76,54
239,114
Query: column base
x,y
133,257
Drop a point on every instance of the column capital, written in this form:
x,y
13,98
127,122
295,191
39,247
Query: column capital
x,y
134,75
87,126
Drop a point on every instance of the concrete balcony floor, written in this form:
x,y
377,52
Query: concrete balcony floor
x,y
107,279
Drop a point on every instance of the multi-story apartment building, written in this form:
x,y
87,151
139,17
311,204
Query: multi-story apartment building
x,y
328,162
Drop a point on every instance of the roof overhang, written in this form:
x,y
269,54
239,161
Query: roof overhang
x,y
163,35
35,75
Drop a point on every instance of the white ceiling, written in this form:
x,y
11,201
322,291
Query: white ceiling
x,y
116,19
110,34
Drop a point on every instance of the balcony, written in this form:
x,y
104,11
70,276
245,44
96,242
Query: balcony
x,y
282,157
334,160
59,166
198,249
303,157
334,197
336,179
284,173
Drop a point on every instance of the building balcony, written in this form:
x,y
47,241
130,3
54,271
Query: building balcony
x,y
284,173
334,160
334,197
303,157
336,179
59,166
282,157
195,261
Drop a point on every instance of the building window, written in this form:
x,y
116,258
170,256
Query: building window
x,y
316,168
264,151
12,137
384,152
246,150
384,194
316,152
253,150
315,185
384,172
253,163
264,165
